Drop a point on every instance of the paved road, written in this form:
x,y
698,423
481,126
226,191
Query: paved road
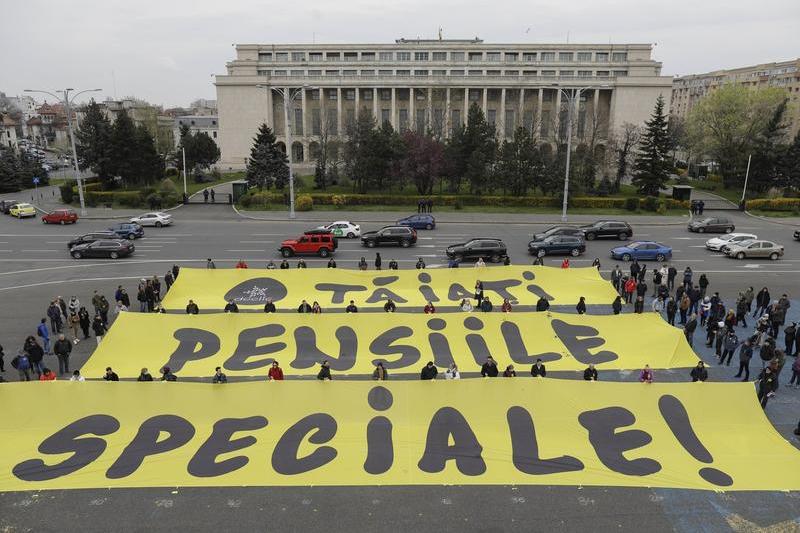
x,y
35,267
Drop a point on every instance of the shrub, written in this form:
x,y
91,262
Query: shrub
x,y
304,202
338,200
774,204
167,192
67,193
171,172
662,208
458,205
631,204
650,203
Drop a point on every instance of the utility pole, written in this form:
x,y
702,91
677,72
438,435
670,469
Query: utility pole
x,y
746,175
183,150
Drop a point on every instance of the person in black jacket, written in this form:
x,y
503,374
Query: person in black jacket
x,y
110,375
699,372
638,305
85,321
62,348
99,328
167,375
767,384
538,370
763,300
389,306
689,328
231,307
284,265
351,308
191,308
581,307
144,375
486,305
393,264
378,261
489,368
331,263
269,307
616,305
672,309
590,374
429,371
542,304
304,307
35,354
324,372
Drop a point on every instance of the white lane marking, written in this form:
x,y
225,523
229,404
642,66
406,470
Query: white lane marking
x,y
7,251
751,266
256,242
266,234
683,238
71,281
689,260
41,251
244,250
56,242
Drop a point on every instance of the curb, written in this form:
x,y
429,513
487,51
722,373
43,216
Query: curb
x,y
770,220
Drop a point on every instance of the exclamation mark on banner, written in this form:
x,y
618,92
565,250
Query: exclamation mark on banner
x,y
677,419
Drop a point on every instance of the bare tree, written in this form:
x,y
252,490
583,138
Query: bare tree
x,y
624,143
327,156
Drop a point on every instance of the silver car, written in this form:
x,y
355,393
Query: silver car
x,y
720,243
752,249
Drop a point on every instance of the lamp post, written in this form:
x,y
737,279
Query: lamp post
x,y
288,95
67,101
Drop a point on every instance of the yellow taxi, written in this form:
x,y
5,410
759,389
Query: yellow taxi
x,y
22,210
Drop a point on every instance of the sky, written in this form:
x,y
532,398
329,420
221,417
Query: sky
x,y
167,51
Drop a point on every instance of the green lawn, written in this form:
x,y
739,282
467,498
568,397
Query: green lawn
x,y
774,214
193,187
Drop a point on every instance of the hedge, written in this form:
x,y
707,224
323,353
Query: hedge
x,y
775,204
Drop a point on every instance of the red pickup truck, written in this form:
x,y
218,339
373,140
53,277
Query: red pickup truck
x,y
60,216
315,242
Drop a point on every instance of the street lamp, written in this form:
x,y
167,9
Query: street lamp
x,y
288,95
67,101
572,95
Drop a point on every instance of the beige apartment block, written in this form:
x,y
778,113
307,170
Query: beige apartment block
x,y
429,85
688,90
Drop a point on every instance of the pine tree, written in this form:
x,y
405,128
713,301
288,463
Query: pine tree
x,y
789,165
123,149
651,167
8,170
519,165
767,151
478,150
93,142
267,165
149,164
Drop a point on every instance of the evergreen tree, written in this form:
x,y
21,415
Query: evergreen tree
x,y
767,151
201,150
651,167
477,152
519,165
8,170
124,149
148,162
357,159
93,142
267,165
789,165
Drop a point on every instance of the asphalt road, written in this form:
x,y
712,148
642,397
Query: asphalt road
x,y
35,267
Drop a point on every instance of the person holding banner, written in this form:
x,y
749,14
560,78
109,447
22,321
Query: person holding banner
x,y
110,375
509,372
538,369
144,375
239,264
429,308
420,264
489,368
271,265
192,309
304,307
452,372
167,375
646,375
275,372
429,372
506,307
315,308
231,307
331,263
542,304
351,308
219,376
393,264
380,373
362,264
466,306
269,307
301,263
486,306
284,264
389,306
590,374
324,372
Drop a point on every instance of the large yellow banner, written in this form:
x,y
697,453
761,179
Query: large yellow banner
x,y
335,287
477,432
246,344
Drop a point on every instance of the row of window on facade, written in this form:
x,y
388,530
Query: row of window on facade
x,y
511,57
443,72
402,95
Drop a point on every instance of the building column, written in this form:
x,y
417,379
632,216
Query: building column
x,y
270,113
393,118
375,105
466,107
539,104
521,118
485,101
447,114
306,131
358,102
429,112
339,128
558,115
412,109
502,120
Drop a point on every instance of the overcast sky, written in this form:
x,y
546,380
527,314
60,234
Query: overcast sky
x,y
166,51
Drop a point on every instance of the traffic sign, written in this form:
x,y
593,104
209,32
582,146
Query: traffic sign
x,y
36,181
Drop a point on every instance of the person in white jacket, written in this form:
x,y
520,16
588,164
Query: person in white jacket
x,y
452,372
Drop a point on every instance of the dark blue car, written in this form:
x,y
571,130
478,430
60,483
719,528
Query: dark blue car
x,y
418,221
642,250
127,230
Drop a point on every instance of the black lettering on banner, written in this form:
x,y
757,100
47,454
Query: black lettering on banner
x,y
610,444
193,344
500,287
65,440
449,423
147,442
440,345
339,290
284,456
536,289
248,347
476,343
517,349
380,448
677,419
384,345
255,291
425,290
579,348
309,355
525,447
457,292
204,462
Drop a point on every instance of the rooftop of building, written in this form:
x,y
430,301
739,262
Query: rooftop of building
x,y
772,66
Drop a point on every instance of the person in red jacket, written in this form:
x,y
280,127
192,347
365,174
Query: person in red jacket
x,y
506,307
429,309
47,375
275,372
565,263
241,264
630,288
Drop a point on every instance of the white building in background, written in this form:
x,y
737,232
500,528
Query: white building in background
x,y
8,132
197,124
430,84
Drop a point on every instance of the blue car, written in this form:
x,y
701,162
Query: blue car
x,y
654,251
418,221
127,230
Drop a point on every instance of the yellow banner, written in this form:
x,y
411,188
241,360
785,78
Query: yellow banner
x,y
246,344
469,432
335,287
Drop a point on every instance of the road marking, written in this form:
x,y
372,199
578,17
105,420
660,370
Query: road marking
x,y
244,250
751,266
41,251
266,234
256,242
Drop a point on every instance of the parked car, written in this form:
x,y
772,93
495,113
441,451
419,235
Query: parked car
x,y
642,250
750,249
797,234
128,230
557,245
607,228
319,242
343,228
558,230
711,225
493,250
156,218
22,210
422,221
391,236
5,205
718,243
91,237
113,249
60,216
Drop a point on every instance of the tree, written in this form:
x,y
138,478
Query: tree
x,y
327,155
268,165
93,142
519,164
789,165
651,167
422,161
201,150
18,170
148,162
357,160
476,150
767,151
623,145
123,149
726,124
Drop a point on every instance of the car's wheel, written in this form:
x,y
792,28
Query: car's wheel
x,y
740,255
131,236
774,256
286,252
370,244
405,243
660,258
575,252
159,224
351,235
541,253
701,230
114,255
428,226
323,252
76,255
626,257
590,236
494,258
623,236
728,230
44,221
62,222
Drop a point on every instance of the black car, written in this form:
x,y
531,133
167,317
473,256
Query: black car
x,y
5,205
558,230
391,236
493,250
111,249
557,245
91,237
797,234
711,225
607,229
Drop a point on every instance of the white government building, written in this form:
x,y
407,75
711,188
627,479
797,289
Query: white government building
x,y
430,84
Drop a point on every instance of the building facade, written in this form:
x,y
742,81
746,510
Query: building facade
x,y
144,114
688,90
429,85
197,124
8,132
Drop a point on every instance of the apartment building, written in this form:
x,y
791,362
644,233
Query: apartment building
x,y
429,85
197,124
688,90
